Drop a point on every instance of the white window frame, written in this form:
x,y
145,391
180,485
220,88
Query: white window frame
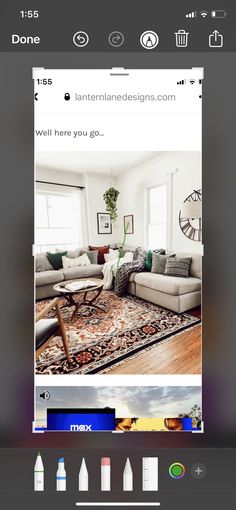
x,y
49,194
46,189
168,183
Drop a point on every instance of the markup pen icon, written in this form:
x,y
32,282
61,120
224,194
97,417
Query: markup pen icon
x,y
216,40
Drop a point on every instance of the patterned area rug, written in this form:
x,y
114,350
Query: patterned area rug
x,y
98,340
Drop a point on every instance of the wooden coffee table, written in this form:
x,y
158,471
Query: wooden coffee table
x,y
69,295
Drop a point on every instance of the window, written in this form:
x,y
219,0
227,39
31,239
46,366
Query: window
x,y
57,220
157,217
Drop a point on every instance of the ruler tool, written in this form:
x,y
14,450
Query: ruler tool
x,y
150,473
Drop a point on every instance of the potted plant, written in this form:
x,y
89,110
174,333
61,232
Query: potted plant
x,y
110,198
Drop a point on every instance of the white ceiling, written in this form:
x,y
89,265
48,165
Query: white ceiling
x,y
105,163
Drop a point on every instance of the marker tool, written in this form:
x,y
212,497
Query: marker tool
x,y
61,475
150,474
39,474
128,476
105,474
83,476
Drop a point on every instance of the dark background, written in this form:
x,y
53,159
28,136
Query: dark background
x,y
16,220
215,490
59,21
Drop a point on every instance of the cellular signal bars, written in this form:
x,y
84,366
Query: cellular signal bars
x,y
192,14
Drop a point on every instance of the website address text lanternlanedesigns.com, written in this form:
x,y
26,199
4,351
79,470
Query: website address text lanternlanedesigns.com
x,y
142,98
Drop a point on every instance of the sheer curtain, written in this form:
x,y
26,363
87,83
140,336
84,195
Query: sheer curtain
x,y
83,218
60,218
157,216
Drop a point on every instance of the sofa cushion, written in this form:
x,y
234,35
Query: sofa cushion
x,y
48,277
82,260
169,284
82,271
42,263
101,251
132,277
178,267
159,262
196,264
92,255
73,254
148,260
56,259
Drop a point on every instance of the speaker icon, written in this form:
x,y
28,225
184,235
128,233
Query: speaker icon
x,y
45,395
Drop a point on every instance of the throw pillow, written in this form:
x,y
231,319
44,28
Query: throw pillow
x,y
159,262
83,260
42,263
101,251
178,267
56,259
92,255
148,260
112,255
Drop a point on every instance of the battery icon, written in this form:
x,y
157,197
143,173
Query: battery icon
x,y
218,14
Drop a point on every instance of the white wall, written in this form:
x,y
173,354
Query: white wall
x,y
184,170
59,177
95,186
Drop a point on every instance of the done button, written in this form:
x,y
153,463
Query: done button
x,y
177,470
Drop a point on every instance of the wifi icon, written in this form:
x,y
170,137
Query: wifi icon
x,y
192,81
204,14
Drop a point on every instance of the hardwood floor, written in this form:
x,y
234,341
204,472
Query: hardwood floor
x,y
180,354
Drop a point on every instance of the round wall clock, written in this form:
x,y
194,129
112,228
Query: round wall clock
x,y
190,216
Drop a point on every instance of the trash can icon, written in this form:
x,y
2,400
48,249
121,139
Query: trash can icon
x,y
181,38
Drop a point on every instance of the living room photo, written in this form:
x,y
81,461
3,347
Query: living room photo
x,y
118,263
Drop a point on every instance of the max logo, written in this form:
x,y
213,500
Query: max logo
x,y
81,428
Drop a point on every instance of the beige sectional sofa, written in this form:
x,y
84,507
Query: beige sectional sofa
x,y
46,277
174,293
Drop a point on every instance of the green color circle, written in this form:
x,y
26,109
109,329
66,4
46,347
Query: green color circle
x,y
177,470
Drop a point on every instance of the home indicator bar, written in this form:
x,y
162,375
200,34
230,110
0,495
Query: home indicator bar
x,y
112,503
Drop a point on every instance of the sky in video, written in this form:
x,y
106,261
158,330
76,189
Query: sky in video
x,y
129,401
